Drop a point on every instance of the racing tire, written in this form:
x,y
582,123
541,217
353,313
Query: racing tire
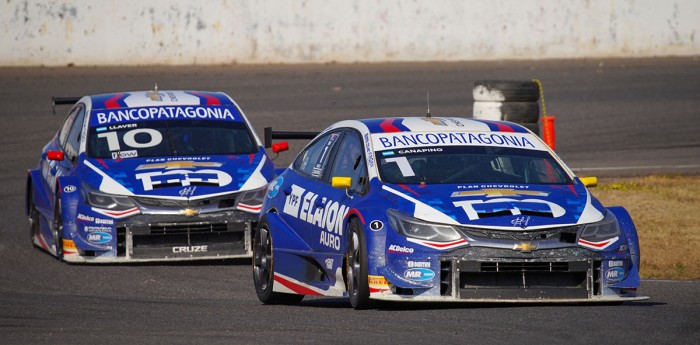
x,y
264,270
521,112
505,91
34,226
58,227
356,260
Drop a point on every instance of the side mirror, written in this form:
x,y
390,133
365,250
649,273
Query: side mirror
x,y
279,147
341,182
589,181
55,155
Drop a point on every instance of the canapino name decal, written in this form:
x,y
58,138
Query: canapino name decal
x,y
107,117
383,141
323,213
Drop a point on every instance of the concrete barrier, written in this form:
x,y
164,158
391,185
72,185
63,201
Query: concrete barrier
x,y
176,32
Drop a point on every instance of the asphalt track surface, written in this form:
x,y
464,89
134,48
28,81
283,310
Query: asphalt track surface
x,y
614,118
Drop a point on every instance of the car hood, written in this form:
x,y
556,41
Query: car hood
x,y
498,206
179,177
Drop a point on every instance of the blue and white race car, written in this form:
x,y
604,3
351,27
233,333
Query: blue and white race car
x,y
149,176
439,209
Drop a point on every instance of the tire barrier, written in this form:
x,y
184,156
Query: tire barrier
x,y
508,100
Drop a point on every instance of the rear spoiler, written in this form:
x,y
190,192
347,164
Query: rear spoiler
x,y
270,134
62,101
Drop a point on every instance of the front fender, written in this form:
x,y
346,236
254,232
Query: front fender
x,y
283,237
630,231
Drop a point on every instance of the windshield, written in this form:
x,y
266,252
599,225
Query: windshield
x,y
469,164
170,138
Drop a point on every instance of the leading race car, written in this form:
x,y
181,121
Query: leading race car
x,y
149,176
439,209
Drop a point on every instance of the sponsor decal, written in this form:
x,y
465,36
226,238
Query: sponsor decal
x,y
189,212
70,188
473,207
405,140
419,264
521,221
86,218
615,263
274,187
418,274
499,192
163,113
101,228
125,154
368,151
176,164
376,225
378,284
329,263
176,159
394,248
425,150
99,237
329,217
615,274
118,127
191,249
183,178
189,191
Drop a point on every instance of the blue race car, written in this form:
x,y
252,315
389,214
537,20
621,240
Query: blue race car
x,y
149,176
439,209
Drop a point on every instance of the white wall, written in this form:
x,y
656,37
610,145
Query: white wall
x,y
171,32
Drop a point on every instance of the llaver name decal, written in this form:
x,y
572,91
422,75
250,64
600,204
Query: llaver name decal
x,y
327,215
403,140
162,113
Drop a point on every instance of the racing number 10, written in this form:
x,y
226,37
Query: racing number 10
x,y
129,138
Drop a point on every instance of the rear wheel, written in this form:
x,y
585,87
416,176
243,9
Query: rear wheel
x,y
58,228
356,280
264,270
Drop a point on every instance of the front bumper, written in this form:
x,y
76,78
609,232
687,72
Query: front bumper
x,y
482,274
148,238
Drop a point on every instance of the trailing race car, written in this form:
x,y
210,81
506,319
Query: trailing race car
x,y
439,209
149,176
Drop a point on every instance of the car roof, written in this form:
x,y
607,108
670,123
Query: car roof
x,y
432,124
154,98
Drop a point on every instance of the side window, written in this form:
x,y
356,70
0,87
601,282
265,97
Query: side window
x,y
314,159
73,141
65,129
349,162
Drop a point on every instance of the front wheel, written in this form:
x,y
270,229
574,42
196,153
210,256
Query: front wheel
x,y
264,270
34,226
356,279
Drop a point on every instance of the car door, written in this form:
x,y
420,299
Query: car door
x,y
332,204
70,132
301,185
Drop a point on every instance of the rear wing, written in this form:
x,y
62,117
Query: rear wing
x,y
62,101
270,135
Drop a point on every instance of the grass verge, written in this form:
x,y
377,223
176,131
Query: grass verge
x,y
664,210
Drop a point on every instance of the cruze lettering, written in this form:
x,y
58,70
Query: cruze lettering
x,y
191,249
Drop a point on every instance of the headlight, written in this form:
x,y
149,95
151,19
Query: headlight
x,y
415,228
251,200
107,201
604,230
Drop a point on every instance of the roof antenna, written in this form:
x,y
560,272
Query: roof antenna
x,y
428,94
156,88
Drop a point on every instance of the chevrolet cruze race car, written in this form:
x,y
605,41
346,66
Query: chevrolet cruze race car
x,y
439,209
149,176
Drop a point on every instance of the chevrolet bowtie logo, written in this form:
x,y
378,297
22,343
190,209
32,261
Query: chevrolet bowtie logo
x,y
178,165
525,247
189,212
